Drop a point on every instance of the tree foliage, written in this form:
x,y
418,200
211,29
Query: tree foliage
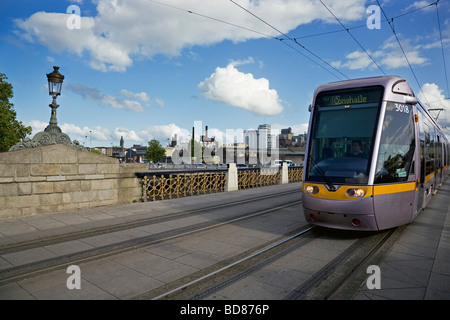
x,y
155,152
11,130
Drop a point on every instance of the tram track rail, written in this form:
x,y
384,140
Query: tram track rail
x,y
335,275
338,279
196,288
123,225
15,273
347,286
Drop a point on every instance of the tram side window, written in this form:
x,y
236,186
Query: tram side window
x,y
422,144
438,152
429,148
397,144
445,154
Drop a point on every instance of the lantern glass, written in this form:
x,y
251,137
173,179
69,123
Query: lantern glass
x,y
54,88
55,80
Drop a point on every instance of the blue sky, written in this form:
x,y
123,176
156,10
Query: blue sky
x,y
147,69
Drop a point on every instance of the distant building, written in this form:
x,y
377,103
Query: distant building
x,y
286,138
174,141
264,136
117,151
205,138
135,154
299,140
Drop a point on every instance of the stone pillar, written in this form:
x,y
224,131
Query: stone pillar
x,y
231,178
284,174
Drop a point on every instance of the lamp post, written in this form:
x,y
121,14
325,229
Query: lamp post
x,y
52,134
55,80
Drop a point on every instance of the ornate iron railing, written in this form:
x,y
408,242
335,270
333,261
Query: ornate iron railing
x,y
295,174
167,184
258,177
159,185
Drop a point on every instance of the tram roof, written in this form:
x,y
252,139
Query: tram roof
x,y
397,85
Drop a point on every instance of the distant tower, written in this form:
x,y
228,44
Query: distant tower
x,y
264,136
121,143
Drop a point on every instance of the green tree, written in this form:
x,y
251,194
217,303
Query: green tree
x,y
11,130
196,149
155,152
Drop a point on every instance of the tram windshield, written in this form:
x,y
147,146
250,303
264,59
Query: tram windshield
x,y
342,135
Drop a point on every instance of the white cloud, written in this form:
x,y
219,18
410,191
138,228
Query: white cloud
x,y
37,126
123,30
422,4
141,96
236,63
388,56
127,134
355,61
242,90
101,135
392,57
99,97
160,103
50,29
432,96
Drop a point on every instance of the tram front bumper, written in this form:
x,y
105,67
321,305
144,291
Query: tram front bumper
x,y
355,214
363,222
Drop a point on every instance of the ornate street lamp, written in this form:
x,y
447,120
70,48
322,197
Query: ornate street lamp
x,y
52,134
55,80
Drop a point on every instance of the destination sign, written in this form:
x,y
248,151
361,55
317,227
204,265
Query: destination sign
x,y
349,97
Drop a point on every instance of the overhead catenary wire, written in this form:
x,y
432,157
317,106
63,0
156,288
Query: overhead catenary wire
x,y
215,19
288,37
262,34
285,37
442,46
403,51
348,31
363,25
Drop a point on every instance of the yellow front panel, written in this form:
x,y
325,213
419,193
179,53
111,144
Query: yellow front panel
x,y
339,194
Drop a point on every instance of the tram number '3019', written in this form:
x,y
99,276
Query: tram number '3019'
x,y
401,107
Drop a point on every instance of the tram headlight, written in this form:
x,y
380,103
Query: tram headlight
x,y
312,189
356,192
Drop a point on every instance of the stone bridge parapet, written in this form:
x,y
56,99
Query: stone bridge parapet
x,y
60,178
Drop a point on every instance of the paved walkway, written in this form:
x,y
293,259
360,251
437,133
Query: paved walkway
x,y
418,265
37,226
416,268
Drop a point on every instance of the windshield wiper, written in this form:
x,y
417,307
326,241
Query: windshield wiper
x,y
328,182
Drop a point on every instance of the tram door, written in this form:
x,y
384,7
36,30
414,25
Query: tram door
x,y
419,164
438,167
